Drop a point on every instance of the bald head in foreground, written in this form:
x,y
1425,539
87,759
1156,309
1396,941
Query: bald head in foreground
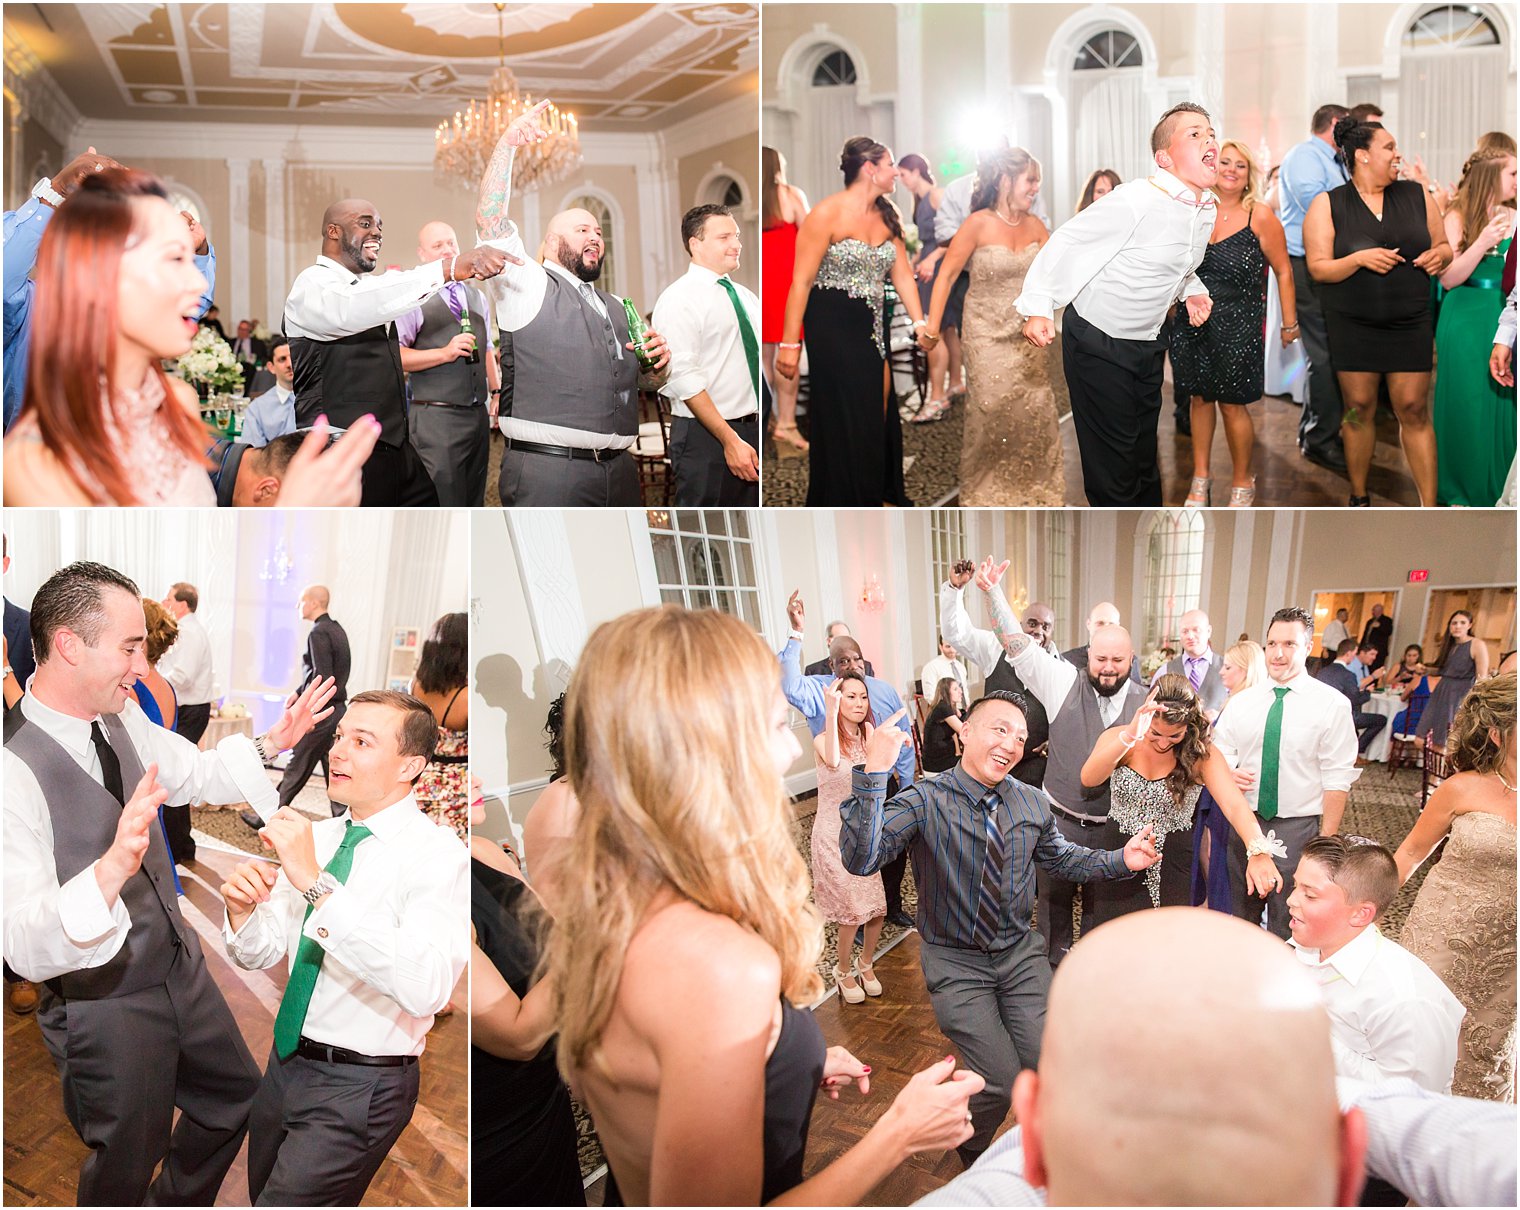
x,y
1215,1086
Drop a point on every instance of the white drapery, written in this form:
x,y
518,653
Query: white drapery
x,y
1112,128
1446,100
832,117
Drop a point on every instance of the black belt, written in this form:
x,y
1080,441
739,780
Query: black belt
x,y
323,1053
562,451
441,403
1085,821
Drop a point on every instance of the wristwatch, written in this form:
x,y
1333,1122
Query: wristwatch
x,y
44,191
325,884
266,751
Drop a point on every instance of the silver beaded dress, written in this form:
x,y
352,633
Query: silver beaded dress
x,y
1137,801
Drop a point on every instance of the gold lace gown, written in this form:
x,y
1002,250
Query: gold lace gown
x,y
1462,926
1011,447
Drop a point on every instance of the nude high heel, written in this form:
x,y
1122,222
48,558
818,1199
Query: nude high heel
x,y
868,980
850,995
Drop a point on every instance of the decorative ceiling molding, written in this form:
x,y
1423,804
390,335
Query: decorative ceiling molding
x,y
41,99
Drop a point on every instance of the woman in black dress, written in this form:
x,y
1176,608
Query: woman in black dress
x,y
943,728
1224,361
1374,244
850,245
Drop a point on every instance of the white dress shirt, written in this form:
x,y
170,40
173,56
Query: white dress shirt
x,y
980,647
52,929
1335,634
329,302
1317,749
517,293
187,665
1390,1015
1504,334
396,934
697,319
954,207
937,670
1125,259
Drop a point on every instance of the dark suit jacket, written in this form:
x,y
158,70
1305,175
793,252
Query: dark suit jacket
x,y
824,668
1078,656
1338,676
327,654
1379,632
18,642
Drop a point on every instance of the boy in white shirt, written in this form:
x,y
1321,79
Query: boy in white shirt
x,y
1390,1015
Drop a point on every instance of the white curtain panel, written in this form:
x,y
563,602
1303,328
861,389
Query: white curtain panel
x,y
1446,100
1112,129
832,117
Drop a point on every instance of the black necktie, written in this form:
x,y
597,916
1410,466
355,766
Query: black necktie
x,y
110,766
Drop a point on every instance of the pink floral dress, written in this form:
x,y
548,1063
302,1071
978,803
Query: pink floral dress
x,y
841,896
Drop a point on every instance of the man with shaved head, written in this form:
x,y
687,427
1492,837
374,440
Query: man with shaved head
x,y
572,414
455,378
1104,613
343,346
1199,662
1081,705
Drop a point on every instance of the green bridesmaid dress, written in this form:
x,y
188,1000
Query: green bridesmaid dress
x,y
1474,415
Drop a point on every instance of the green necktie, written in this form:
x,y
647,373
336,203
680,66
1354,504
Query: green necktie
x,y
1271,751
303,975
751,346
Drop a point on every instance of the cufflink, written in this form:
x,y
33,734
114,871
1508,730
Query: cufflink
x,y
322,933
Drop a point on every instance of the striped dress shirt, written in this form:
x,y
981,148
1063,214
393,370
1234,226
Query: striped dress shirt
x,y
943,821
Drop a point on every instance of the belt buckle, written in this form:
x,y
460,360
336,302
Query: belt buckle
x,y
596,455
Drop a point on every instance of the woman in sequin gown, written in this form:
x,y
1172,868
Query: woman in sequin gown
x,y
1223,362
1011,446
1156,766
1463,660
844,898
849,247
1463,921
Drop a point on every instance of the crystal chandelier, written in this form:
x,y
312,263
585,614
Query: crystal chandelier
x,y
463,147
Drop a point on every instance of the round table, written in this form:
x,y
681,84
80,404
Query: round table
x,y
1388,705
219,728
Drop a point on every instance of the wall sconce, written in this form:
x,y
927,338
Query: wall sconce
x,y
873,597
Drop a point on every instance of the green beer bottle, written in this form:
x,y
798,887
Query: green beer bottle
x,y
464,326
636,332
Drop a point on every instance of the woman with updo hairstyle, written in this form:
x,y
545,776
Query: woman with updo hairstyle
x,y
1462,924
850,245
1373,244
153,692
1474,415
685,948
1011,453
1157,765
1101,183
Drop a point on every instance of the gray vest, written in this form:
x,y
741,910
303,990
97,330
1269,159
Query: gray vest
x,y
457,382
1074,733
1211,690
565,365
84,817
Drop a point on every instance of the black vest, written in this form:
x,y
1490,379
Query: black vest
x,y
565,364
1074,732
1030,770
350,377
84,818
457,382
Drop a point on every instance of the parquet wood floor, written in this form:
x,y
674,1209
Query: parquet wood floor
x,y
427,1167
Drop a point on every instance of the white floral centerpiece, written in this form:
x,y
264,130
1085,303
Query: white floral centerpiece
x,y
210,365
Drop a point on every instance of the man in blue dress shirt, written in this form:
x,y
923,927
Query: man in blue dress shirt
x,y
23,236
1308,170
806,694
273,414
976,834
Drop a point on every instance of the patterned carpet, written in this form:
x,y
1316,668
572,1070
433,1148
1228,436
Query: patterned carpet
x,y
1380,808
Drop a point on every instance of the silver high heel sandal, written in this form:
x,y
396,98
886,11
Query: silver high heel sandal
x,y
1198,493
1243,497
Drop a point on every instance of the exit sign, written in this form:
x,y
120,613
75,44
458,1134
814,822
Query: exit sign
x,y
1420,576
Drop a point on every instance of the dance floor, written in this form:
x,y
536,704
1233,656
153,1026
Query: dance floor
x,y
1283,477
427,1167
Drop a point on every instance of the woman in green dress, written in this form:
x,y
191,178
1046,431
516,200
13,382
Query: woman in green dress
x,y
1474,415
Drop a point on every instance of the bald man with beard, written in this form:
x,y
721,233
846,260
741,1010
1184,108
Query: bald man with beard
x,y
343,348
571,410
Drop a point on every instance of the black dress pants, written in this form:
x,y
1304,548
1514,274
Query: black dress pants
x,y
395,477
1319,425
701,469
1115,389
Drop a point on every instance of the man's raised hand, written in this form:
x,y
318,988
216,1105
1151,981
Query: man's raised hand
x,y
961,573
527,128
794,611
989,573
885,743
309,709
134,833
1140,852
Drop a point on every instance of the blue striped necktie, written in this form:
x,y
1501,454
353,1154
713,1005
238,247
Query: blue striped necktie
x,y
989,902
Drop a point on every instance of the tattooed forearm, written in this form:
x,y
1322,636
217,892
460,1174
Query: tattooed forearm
x,y
1004,624
495,192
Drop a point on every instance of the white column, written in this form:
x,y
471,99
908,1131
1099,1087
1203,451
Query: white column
x,y
1100,536
1321,53
551,585
997,52
1236,622
1208,58
236,259
276,251
533,223
831,594
659,218
910,80
1284,522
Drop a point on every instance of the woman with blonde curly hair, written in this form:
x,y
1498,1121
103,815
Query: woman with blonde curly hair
x,y
684,945
1462,924
1157,765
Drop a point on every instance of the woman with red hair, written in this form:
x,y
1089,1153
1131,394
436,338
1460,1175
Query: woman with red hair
x,y
117,291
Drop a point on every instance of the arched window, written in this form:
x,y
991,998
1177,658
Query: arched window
x,y
1111,48
609,278
1111,125
1453,84
1173,573
835,70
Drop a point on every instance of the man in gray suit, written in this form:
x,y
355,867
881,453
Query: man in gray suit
x,y
129,1011
573,414
1199,663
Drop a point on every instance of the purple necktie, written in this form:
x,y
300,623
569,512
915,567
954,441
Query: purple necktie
x,y
1195,671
